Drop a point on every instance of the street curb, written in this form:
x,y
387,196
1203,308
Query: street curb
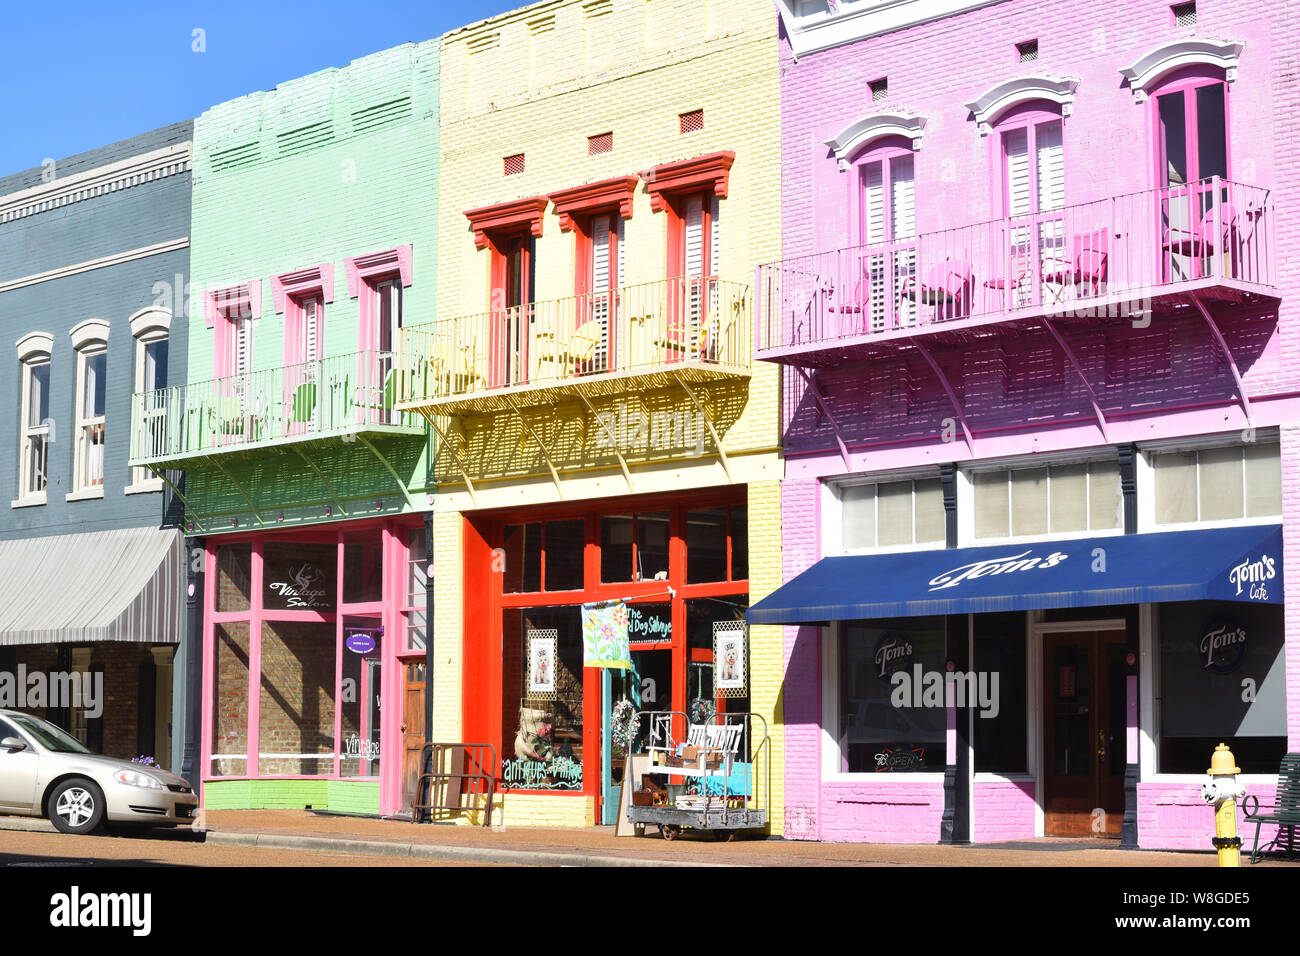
x,y
284,841
28,824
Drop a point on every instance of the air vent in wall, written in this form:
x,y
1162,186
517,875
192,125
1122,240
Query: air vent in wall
x,y
233,157
381,113
304,138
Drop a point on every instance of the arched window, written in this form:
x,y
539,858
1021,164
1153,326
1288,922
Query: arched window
x,y
883,206
34,430
1030,181
149,330
90,339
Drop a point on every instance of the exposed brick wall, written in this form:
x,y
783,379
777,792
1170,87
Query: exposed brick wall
x,y
1002,810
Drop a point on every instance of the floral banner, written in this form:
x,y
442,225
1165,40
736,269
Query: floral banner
x,y
604,635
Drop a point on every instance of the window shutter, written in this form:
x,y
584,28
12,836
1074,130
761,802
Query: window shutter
x,y
873,204
902,198
1016,147
599,255
1051,167
713,236
310,323
242,330
620,277
695,236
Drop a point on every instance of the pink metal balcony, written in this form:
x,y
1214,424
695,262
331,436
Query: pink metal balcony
x,y
1115,257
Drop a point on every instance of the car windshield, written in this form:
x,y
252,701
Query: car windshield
x,y
49,736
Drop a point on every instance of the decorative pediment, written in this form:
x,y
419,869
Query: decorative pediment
x,y
856,135
149,320
242,299
711,172
1022,89
34,344
375,265
1148,69
594,198
514,216
303,282
89,332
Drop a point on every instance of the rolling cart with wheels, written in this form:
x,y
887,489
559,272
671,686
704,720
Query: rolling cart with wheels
x,y
718,764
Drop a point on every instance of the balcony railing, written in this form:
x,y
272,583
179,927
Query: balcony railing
x,y
698,326
1080,260
329,398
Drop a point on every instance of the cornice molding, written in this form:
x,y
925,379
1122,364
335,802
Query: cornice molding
x,y
33,344
375,264
515,216
303,282
1152,66
171,245
88,333
595,197
1022,89
150,319
711,172
847,21
856,135
123,174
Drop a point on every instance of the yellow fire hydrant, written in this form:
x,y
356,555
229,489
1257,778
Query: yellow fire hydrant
x,y
1224,791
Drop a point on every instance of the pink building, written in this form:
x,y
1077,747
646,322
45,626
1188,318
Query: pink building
x,y
1036,315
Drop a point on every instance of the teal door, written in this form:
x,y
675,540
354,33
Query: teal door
x,y
615,686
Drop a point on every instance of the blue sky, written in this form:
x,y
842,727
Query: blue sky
x,y
78,75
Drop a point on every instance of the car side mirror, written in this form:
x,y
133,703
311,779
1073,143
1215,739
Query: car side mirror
x,y
12,744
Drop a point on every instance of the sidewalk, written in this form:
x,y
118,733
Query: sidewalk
x,y
597,846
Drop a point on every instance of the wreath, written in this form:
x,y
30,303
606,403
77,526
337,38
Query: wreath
x,y
701,710
625,725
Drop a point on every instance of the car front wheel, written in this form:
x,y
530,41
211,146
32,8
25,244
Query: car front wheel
x,y
76,806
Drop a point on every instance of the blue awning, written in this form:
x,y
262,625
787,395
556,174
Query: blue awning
x,y
1217,564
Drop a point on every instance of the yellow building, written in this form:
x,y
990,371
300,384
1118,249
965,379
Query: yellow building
x,y
610,177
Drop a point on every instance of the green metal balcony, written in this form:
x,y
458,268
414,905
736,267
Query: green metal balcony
x,y
342,398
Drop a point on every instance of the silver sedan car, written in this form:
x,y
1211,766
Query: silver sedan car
x,y
46,772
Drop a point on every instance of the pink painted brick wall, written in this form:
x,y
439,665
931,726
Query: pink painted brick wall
x,y
1003,810
1172,816
881,812
1019,395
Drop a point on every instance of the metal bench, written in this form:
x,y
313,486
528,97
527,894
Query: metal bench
x,y
1285,811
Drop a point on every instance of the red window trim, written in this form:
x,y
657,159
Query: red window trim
x,y
593,199
519,215
709,173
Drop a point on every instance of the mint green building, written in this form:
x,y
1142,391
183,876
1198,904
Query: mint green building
x,y
313,241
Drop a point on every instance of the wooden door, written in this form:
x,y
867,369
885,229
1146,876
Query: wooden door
x,y
412,729
1084,733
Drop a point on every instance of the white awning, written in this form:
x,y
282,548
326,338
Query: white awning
x,y
95,586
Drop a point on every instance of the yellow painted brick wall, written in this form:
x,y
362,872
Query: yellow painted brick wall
x,y
446,630
766,644
630,67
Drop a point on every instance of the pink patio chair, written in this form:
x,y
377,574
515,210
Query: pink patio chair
x,y
947,287
1091,262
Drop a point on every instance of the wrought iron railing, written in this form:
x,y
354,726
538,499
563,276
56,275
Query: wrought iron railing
x,y
338,395
697,320
1068,260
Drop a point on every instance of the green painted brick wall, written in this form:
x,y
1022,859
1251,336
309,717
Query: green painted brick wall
x,y
336,164
343,796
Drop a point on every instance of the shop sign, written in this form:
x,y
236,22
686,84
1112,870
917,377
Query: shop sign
x,y
1249,577
1005,565
354,746
1223,645
893,653
299,577
559,773
891,760
649,622
360,642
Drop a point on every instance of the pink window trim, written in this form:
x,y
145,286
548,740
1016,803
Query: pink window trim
x,y
1187,80
302,284
247,296
364,274
1028,116
884,150
375,266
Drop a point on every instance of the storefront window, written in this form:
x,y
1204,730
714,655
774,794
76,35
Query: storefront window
x,y
522,544
892,514
234,577
713,534
363,568
417,576
230,700
884,727
564,544
1001,738
296,721
557,546
616,533
299,576
541,698
1222,679
634,547
703,617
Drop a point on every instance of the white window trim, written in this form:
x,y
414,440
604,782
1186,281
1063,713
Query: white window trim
x,y
830,748
90,339
966,497
34,349
1146,481
147,326
832,511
